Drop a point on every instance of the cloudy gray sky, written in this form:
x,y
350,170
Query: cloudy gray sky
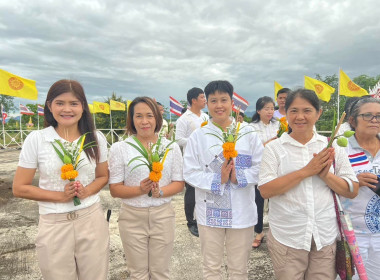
x,y
163,48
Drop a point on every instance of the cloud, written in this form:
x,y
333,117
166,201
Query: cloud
x,y
162,48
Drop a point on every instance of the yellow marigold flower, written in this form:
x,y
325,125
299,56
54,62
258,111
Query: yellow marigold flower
x,y
67,167
69,175
155,176
228,146
227,155
157,166
204,123
63,176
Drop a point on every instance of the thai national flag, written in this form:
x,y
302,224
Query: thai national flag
x,y
175,107
3,114
40,110
25,111
239,102
358,159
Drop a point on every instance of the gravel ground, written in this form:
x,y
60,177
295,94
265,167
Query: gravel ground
x,y
18,229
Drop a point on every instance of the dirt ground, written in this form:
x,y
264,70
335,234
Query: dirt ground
x,y
18,229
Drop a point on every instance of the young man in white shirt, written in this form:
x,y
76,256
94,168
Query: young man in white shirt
x,y
165,126
185,125
282,94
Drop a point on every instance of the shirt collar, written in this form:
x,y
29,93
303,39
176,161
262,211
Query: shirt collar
x,y
286,138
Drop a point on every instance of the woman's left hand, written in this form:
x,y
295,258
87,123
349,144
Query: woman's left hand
x,y
325,171
233,172
80,191
156,190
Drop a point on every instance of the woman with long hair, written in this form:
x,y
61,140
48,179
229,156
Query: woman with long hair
x,y
72,241
266,126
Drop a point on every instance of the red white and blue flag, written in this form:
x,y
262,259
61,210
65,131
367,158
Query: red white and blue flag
x,y
358,159
239,102
40,110
25,110
3,114
175,107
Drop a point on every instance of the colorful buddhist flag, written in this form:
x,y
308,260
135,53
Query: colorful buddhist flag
x,y
100,107
25,110
40,110
348,88
91,108
175,107
277,87
16,86
239,103
117,106
323,90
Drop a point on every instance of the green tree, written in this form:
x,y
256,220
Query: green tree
x,y
7,102
366,82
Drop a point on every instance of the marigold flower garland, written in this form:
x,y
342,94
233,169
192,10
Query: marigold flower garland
x,y
153,157
69,153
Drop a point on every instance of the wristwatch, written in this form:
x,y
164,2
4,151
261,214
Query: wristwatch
x,y
161,193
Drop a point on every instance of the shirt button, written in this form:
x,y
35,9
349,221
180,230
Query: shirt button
x,y
205,200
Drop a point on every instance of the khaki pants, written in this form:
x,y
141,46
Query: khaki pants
x,y
73,246
238,244
147,234
297,264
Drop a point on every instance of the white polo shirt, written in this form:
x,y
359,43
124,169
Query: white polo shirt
x,y
38,152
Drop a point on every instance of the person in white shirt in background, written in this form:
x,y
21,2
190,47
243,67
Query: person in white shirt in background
x,y
281,99
165,126
72,241
297,175
266,126
240,118
146,224
224,190
190,120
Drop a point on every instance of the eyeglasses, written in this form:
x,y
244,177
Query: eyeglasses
x,y
369,117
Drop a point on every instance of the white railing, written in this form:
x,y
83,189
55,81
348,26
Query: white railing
x,y
13,139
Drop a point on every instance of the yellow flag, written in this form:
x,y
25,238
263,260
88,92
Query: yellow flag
x,y
128,103
91,107
117,106
348,87
323,90
100,107
277,87
13,85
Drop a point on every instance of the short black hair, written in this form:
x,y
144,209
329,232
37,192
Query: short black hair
x,y
241,114
307,94
221,86
193,93
283,90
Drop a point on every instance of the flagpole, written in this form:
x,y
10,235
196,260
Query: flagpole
x,y
22,140
111,126
38,119
3,121
338,116
93,114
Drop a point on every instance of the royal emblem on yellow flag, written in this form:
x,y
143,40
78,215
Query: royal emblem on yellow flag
x,y
91,107
117,106
323,90
100,107
348,87
16,86
277,87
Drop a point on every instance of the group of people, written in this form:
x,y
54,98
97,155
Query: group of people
x,y
296,172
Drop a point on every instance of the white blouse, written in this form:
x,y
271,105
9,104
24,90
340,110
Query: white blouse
x,y
266,131
223,205
307,210
120,155
38,152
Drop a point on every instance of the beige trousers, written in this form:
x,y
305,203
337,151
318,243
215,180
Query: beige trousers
x,y
73,245
238,244
297,264
147,234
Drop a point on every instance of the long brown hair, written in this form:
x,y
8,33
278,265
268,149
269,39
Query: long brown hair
x,y
85,124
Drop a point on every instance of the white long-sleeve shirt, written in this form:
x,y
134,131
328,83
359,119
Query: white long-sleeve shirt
x,y
223,205
307,210
186,124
